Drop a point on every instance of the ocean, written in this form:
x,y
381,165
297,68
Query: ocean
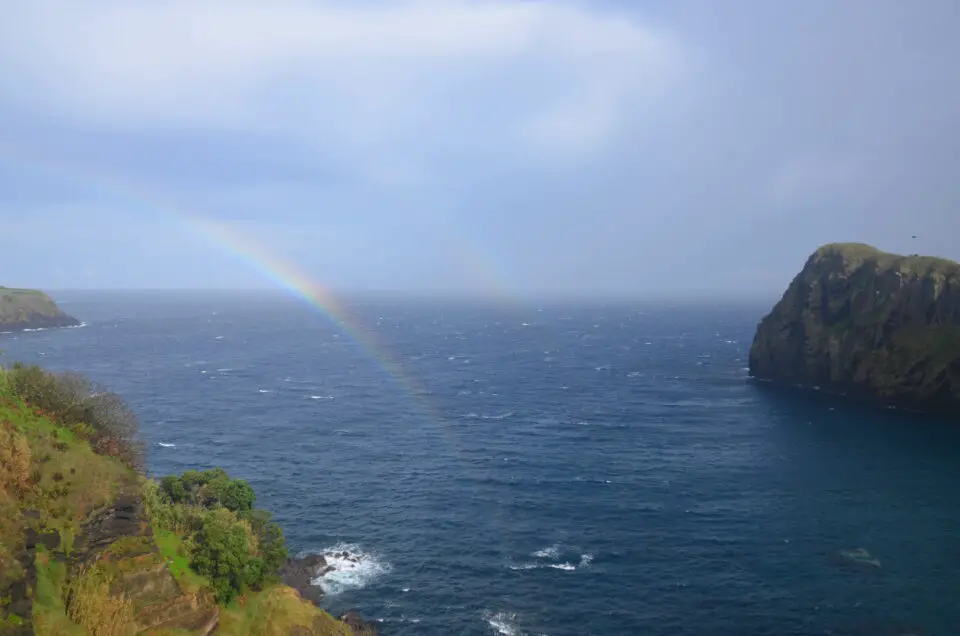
x,y
554,468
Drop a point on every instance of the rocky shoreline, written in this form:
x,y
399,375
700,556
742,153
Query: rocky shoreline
x,y
41,322
300,574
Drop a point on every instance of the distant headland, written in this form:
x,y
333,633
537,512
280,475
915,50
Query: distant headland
x,y
22,309
869,324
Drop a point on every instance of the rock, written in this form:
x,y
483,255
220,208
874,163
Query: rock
x,y
358,625
868,324
300,573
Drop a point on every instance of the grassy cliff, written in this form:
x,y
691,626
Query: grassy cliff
x,y
30,309
89,546
868,323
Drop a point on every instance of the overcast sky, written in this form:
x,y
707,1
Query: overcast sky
x,y
491,146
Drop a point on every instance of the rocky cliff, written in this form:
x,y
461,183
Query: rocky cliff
x,y
91,546
30,309
869,324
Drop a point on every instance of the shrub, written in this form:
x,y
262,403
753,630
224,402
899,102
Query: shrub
x,y
209,488
220,552
91,412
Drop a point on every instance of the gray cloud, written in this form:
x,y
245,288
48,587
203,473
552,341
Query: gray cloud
x,y
673,148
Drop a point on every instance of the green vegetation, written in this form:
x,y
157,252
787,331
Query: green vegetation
x,y
229,542
30,308
190,552
855,254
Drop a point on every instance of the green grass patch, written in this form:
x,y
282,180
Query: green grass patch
x,y
49,614
277,611
175,553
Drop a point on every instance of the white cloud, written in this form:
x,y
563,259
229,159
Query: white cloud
x,y
559,76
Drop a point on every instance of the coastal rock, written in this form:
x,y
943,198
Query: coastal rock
x,y
869,324
30,309
300,573
358,625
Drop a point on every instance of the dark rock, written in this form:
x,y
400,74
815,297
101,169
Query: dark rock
x,y
299,574
358,625
870,325
125,517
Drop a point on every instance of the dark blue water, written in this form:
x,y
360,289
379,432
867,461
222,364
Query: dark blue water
x,y
565,470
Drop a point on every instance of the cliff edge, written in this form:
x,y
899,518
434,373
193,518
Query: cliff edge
x,y
30,309
869,324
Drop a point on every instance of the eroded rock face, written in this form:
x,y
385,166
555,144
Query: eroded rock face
x,y
869,324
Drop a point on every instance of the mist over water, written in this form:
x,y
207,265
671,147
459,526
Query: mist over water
x,y
565,470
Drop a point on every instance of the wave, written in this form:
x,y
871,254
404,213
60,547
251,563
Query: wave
x,y
548,553
475,416
504,623
165,445
550,558
349,568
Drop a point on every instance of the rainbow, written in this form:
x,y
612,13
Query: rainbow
x,y
280,272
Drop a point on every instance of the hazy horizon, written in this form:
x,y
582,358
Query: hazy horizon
x,y
473,149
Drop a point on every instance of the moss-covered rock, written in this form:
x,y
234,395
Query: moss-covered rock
x,y
869,324
30,309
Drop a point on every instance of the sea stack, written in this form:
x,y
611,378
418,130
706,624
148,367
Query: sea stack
x,y
30,309
869,324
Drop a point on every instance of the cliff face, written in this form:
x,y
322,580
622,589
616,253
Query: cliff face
x,y
869,324
30,309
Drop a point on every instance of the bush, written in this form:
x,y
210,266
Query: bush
x,y
230,542
209,488
87,409
221,553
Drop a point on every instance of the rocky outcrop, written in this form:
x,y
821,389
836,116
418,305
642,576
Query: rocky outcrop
x,y
30,309
300,574
868,324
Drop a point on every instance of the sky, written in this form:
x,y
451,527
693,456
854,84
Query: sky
x,y
498,147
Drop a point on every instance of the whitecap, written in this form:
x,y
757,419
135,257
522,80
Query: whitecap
x,y
219,338
352,569
499,416
263,391
165,445
224,370
321,397
502,622
548,553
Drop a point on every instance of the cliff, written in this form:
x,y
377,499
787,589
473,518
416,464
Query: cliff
x,y
90,546
30,309
869,324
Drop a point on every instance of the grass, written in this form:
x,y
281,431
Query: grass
x,y
857,253
174,552
277,611
49,613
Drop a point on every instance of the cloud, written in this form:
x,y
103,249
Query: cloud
x,y
363,76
